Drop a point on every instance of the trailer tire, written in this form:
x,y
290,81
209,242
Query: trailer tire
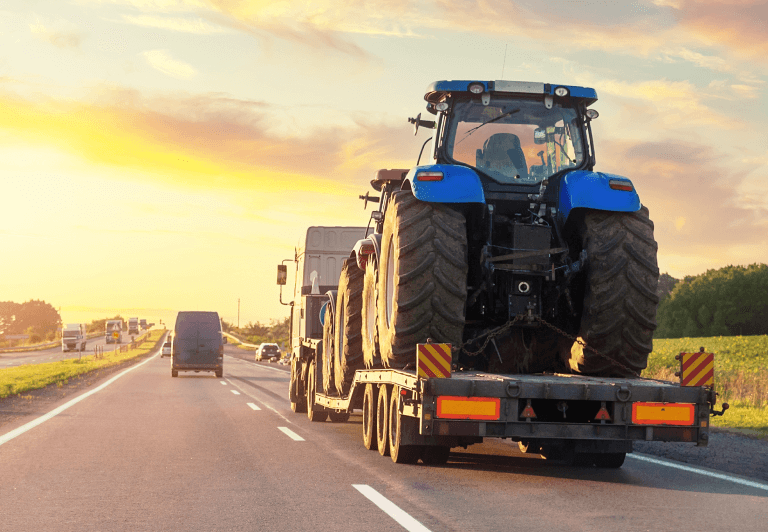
x,y
369,416
400,454
422,282
313,416
327,351
348,345
382,421
620,300
371,354
293,390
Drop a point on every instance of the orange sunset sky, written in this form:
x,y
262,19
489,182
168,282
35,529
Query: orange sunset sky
x,y
162,155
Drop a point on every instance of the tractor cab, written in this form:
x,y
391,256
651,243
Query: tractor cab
x,y
510,132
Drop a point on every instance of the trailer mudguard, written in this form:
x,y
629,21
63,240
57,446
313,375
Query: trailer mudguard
x,y
457,184
596,190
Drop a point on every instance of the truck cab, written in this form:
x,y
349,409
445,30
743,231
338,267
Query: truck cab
x,y
73,337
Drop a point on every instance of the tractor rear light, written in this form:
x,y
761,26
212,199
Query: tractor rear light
x,y
442,106
561,91
429,176
618,184
592,114
476,88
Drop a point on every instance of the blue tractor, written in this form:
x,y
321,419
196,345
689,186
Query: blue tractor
x,y
504,242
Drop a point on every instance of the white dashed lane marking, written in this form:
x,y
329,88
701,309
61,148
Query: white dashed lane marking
x,y
291,434
390,508
235,392
223,382
253,406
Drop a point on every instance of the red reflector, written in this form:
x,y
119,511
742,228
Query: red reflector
x,y
616,184
528,412
403,392
429,176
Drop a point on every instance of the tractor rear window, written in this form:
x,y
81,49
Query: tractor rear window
x,y
514,140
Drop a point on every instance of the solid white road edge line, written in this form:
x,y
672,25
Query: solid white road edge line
x,y
390,508
291,434
5,438
721,476
253,406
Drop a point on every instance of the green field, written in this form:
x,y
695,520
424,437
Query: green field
x,y
28,377
741,375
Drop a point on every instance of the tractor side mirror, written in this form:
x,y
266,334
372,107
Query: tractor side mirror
x,y
282,274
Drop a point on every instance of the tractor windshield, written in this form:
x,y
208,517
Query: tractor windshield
x,y
515,140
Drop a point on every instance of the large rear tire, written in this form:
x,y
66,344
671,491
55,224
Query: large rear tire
x,y
348,347
299,406
422,283
620,299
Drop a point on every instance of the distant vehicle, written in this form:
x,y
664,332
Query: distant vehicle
x,y
143,324
166,352
114,332
198,343
267,351
133,325
73,337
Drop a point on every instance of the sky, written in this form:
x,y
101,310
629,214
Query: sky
x,y
166,155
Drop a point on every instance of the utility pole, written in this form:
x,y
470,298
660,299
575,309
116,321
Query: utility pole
x,y
238,312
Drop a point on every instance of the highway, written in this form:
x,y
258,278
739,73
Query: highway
x,y
53,354
150,452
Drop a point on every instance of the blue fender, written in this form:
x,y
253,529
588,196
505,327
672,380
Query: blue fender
x,y
593,190
459,184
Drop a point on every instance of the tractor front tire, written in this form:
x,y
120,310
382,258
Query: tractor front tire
x,y
620,300
422,278
348,347
371,355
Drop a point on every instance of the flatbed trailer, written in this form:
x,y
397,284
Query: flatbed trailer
x,y
575,418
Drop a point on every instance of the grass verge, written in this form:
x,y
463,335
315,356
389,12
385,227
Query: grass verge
x,y
741,376
28,377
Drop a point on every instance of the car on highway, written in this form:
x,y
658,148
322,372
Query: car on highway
x,y
166,352
267,351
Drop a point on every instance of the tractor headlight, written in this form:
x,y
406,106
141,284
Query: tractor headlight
x,y
561,91
476,88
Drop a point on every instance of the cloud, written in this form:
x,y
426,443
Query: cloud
x,y
160,60
693,193
184,25
61,38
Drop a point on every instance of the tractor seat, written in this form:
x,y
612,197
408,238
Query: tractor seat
x,y
502,152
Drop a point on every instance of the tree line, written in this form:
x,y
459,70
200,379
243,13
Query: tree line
x,y
36,318
256,333
726,302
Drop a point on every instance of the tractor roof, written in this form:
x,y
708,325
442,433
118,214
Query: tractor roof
x,y
438,89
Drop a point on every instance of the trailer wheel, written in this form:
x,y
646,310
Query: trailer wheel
x,y
619,312
369,416
371,355
382,418
435,454
348,352
422,283
327,358
293,390
313,416
400,454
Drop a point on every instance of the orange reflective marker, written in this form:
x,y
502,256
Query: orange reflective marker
x,y
663,413
451,407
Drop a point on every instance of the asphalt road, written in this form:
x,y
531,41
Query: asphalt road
x,y
8,360
150,452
